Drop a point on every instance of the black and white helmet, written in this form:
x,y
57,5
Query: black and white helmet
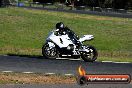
x,y
60,25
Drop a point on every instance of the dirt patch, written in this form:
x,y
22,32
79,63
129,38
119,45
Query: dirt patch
x,y
19,78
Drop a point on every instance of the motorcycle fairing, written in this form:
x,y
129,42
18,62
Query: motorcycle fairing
x,y
62,41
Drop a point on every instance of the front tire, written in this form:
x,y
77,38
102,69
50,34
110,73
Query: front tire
x,y
91,55
49,52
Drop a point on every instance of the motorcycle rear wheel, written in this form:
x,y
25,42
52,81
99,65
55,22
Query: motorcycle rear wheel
x,y
91,55
48,52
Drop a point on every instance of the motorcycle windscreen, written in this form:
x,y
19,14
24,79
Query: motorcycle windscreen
x,y
86,37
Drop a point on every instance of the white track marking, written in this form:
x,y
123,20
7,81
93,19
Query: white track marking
x,y
75,59
68,59
121,62
107,61
7,71
96,60
5,55
27,72
69,74
50,73
62,58
114,62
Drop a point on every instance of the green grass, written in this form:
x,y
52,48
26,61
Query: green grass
x,y
23,31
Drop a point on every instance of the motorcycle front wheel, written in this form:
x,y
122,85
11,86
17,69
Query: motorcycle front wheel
x,y
49,52
91,55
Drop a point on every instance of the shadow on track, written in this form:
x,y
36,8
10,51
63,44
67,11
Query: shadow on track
x,y
28,56
39,57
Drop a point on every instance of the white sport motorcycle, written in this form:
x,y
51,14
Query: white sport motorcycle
x,y
68,45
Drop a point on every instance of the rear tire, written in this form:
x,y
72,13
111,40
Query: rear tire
x,y
91,55
49,52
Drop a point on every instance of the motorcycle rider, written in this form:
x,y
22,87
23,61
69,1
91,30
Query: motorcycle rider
x,y
62,30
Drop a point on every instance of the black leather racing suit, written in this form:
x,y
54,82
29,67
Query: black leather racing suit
x,y
70,34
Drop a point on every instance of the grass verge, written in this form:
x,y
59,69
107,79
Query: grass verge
x,y
23,31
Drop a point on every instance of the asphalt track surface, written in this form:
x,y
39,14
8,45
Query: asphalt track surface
x,y
110,14
38,64
69,86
